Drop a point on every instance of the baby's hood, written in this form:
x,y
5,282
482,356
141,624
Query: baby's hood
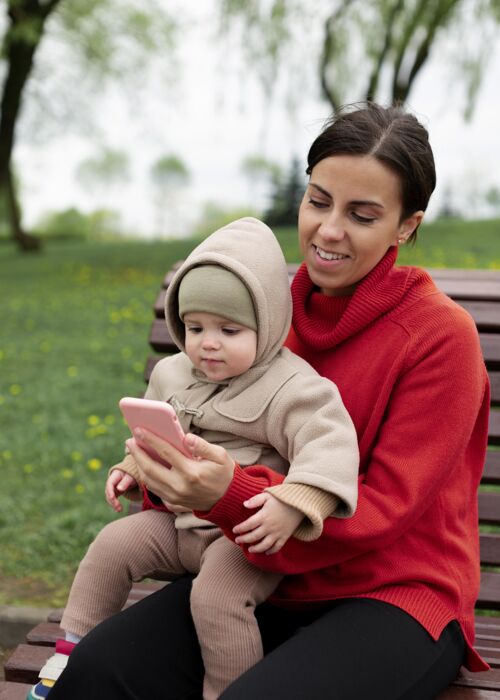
x,y
249,249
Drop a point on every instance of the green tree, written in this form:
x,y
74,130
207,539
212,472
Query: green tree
x,y
286,198
492,199
107,39
168,175
261,174
108,168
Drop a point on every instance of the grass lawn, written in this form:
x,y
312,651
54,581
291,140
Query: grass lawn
x,y
74,327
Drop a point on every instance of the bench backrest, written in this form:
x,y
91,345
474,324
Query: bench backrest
x,y
478,291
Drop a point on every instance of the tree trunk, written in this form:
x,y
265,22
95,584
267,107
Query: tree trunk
x,y
373,83
26,241
20,45
403,82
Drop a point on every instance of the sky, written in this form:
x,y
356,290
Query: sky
x,y
213,114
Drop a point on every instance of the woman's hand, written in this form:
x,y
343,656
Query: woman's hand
x,y
195,482
117,484
267,530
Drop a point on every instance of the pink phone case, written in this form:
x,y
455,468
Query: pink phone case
x,y
156,416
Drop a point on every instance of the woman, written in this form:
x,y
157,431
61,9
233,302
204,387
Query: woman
x,y
381,605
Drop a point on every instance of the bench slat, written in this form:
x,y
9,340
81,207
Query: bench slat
x,y
490,651
490,345
158,306
159,337
489,591
494,428
485,314
495,387
464,274
491,474
487,680
25,662
45,634
489,543
478,290
487,627
457,693
489,508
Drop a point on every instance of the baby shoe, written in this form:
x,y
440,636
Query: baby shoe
x,y
51,670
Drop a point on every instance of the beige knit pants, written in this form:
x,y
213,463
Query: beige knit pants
x,y
224,595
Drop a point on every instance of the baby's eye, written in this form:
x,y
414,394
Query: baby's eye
x,y
230,331
193,329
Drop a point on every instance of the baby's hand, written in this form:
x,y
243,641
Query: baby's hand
x,y
267,530
118,482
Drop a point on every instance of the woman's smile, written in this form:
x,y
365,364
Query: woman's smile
x,y
326,256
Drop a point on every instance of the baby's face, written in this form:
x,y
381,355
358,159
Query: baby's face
x,y
219,348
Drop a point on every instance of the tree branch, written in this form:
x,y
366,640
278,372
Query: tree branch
x,y
387,45
328,43
404,44
437,20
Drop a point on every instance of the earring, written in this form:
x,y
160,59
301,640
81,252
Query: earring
x,y
401,241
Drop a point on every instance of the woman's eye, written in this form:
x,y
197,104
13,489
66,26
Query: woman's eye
x,y
362,219
317,203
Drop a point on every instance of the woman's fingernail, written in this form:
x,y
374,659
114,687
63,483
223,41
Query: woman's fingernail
x,y
138,433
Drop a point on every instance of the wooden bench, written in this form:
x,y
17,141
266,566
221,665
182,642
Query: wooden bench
x,y
479,292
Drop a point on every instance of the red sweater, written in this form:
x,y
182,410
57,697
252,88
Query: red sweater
x,y
409,367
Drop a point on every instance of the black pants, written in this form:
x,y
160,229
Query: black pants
x,y
354,649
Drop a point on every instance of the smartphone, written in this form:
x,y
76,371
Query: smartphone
x,y
159,418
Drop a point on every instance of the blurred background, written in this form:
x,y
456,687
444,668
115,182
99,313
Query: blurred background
x,y
131,128
147,118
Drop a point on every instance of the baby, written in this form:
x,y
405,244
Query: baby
x,y
228,308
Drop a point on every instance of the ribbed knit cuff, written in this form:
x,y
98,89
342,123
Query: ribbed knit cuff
x,y
229,510
315,503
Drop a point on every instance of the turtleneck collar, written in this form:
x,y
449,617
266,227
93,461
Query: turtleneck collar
x,y
377,294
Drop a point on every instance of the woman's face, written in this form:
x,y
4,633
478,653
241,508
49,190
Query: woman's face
x,y
348,218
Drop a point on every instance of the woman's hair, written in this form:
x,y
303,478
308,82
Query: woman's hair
x,y
393,137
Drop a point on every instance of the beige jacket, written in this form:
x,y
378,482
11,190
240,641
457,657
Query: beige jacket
x,y
280,412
